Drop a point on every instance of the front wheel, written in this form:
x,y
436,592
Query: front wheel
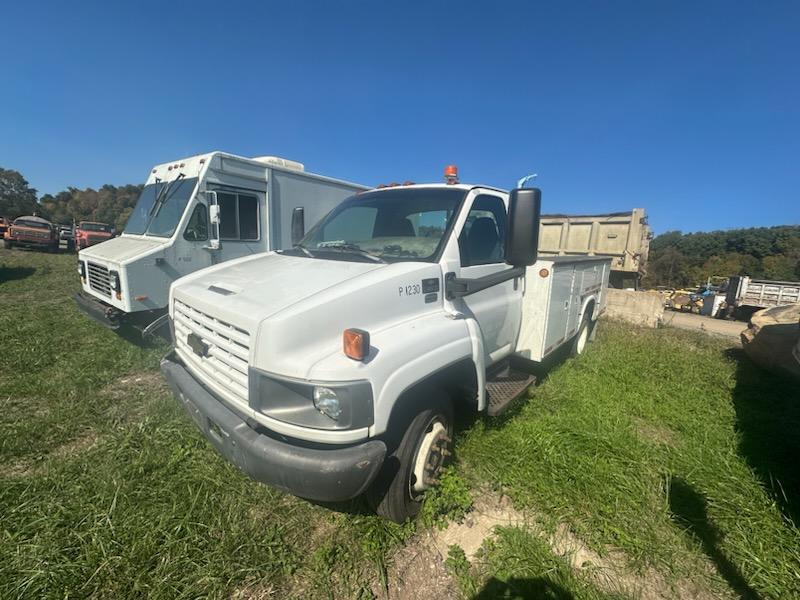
x,y
8,245
415,465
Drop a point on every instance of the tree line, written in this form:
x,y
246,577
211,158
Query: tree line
x,y
109,204
687,259
676,259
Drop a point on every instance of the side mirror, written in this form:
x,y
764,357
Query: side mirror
x,y
524,210
298,224
213,214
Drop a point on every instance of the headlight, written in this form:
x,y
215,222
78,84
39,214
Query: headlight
x,y
327,402
346,405
113,278
82,269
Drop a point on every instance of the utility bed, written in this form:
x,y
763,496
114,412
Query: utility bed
x,y
557,290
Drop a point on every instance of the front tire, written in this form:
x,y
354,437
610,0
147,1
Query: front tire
x,y
415,465
8,245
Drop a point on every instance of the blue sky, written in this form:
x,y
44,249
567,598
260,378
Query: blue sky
x,y
689,109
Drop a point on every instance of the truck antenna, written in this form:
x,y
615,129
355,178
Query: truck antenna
x,y
521,183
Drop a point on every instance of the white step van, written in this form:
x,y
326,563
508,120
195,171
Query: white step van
x,y
194,213
335,368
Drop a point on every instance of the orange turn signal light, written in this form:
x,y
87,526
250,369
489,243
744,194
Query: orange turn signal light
x,y
356,343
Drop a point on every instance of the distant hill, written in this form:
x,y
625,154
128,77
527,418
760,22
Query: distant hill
x,y
681,259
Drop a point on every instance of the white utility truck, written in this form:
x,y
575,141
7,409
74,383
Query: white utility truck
x,y
194,213
336,367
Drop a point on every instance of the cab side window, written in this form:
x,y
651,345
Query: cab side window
x,y
197,228
238,216
483,239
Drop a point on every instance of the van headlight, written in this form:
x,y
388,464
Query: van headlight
x,y
320,405
113,279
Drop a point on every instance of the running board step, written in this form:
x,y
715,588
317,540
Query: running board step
x,y
503,389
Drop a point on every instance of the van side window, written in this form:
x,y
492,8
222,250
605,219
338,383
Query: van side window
x,y
483,239
248,217
197,228
238,216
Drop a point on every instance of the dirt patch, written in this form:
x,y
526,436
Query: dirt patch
x,y
27,468
657,434
149,383
76,446
132,394
489,512
612,573
418,570
254,591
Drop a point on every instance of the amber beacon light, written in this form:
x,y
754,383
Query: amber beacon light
x,y
356,343
451,174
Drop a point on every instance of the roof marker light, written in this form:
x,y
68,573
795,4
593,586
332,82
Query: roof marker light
x,y
451,174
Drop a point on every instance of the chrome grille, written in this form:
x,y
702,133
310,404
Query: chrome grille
x,y
224,363
99,280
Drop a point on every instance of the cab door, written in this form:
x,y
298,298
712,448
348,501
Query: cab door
x,y
481,244
191,247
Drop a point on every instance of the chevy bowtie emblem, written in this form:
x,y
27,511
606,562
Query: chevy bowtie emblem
x,y
197,345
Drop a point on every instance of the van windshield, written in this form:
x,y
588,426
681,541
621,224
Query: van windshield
x,y
161,220
403,224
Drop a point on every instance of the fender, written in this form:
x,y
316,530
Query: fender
x,y
591,299
430,345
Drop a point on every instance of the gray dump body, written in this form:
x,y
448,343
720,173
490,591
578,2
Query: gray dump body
x,y
624,237
744,292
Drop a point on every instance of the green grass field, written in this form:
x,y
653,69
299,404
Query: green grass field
x,y
664,447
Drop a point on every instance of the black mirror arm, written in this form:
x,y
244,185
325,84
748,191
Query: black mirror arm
x,y
456,287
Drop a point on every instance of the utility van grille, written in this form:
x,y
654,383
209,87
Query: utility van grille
x,y
226,349
99,280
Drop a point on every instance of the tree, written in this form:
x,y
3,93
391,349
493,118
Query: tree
x,y
678,259
16,196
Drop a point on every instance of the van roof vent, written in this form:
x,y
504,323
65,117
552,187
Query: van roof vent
x,y
277,161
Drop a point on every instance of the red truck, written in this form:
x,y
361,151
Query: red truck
x,y
32,232
89,233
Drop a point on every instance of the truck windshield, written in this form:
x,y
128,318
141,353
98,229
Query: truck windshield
x,y
403,224
164,219
31,223
95,227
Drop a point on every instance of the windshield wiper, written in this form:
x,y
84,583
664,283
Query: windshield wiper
x,y
304,250
165,195
352,249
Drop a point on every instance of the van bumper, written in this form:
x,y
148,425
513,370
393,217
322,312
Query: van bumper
x,y
328,475
106,315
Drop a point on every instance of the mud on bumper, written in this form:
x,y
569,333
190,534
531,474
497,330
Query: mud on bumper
x,y
104,314
328,475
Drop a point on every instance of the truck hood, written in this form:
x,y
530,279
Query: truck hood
x,y
296,308
246,292
123,249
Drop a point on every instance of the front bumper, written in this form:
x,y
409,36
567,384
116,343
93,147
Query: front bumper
x,y
327,475
106,315
32,242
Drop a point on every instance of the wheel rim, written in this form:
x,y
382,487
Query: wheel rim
x,y
582,337
429,459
